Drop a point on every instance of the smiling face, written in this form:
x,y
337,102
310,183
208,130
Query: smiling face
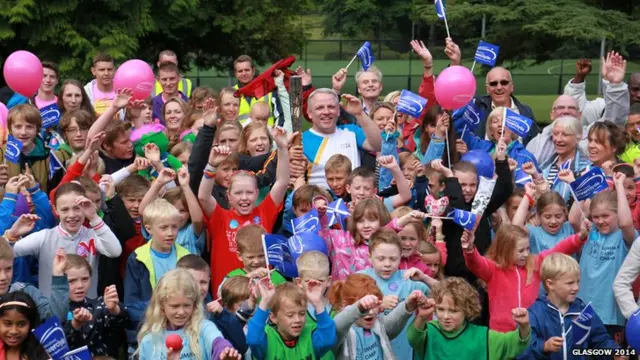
x,y
70,213
366,227
324,111
361,188
178,310
244,72
242,194
605,219
24,131
258,142
382,116
49,80
522,251
600,149
385,259
499,86
173,115
552,218
229,107
290,319
564,141
79,283
71,97
6,274
495,130
14,328
369,86
633,127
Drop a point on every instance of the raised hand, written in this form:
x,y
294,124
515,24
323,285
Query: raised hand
x,y
218,154
353,105
278,74
618,180
583,68
230,354
529,169
585,229
468,238
617,69
183,177
267,290
414,300
152,152
461,147
140,164
501,150
210,114
23,226
427,308
566,176
166,175
80,317
108,185
387,161
59,262
315,291
31,180
304,75
437,166
111,300
453,52
442,124
280,137
95,142
123,96
421,50
370,302
339,79
530,189
88,207
15,183
390,302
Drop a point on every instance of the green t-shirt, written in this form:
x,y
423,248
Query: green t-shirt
x,y
278,350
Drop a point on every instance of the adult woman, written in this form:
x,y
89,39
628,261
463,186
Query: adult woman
x,y
228,105
174,111
73,97
566,133
606,141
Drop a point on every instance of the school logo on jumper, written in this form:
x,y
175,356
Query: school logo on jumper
x,y
411,104
486,53
393,286
85,249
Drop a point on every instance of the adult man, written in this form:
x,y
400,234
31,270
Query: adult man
x,y
100,90
615,105
184,86
369,84
326,138
245,70
499,86
169,76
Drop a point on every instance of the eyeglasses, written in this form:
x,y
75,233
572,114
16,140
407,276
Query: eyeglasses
x,y
501,82
75,130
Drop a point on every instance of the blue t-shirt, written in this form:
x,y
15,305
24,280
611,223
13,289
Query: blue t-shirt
x,y
188,240
163,262
602,257
152,346
540,240
368,345
398,286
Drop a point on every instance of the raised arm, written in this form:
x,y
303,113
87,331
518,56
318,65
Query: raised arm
x,y
625,221
404,189
279,189
122,99
207,201
373,140
195,212
520,217
165,176
482,267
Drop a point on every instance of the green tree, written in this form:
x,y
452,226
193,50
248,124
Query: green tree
x,y
538,29
358,18
207,32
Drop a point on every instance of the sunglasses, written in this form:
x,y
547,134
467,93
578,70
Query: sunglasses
x,y
502,82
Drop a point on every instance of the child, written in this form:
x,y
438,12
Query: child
x,y
604,252
631,188
149,262
139,113
361,184
131,191
396,285
175,308
286,307
453,336
251,254
201,272
362,333
73,208
243,191
512,274
410,236
190,236
299,202
227,168
551,212
337,170
551,316
432,259
18,317
232,294
182,151
97,323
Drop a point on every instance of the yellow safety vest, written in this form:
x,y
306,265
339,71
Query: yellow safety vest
x,y
184,86
245,107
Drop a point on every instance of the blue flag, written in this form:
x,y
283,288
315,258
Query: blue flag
x,y
440,9
522,178
50,116
13,149
582,325
411,104
309,222
365,53
487,53
279,255
337,212
464,218
589,184
81,353
471,114
51,335
54,164
518,124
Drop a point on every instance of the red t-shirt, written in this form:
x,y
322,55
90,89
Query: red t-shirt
x,y
223,225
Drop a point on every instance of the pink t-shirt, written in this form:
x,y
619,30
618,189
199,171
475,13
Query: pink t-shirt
x,y
43,103
102,100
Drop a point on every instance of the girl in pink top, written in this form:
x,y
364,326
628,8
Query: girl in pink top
x,y
349,249
511,273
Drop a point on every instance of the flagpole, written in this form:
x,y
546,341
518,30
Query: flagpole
x,y
446,25
504,123
266,256
446,140
350,62
473,66
575,198
439,217
394,120
463,130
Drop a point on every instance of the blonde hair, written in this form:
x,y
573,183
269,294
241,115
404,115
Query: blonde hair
x,y
556,265
178,282
464,296
392,95
159,209
100,169
497,112
401,211
338,162
242,174
313,263
504,246
371,209
607,198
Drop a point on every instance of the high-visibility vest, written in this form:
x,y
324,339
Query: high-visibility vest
x,y
245,107
184,86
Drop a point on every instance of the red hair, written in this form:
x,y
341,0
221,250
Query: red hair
x,y
354,288
504,247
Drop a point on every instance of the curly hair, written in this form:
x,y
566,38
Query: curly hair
x,y
464,296
353,288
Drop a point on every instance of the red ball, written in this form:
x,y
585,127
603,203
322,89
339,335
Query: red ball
x,y
174,341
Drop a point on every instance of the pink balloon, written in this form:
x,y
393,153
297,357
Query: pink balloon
x,y
455,87
137,76
23,73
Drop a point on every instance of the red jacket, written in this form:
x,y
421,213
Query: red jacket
x,y
427,91
507,287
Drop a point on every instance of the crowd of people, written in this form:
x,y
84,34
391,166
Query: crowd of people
x,y
135,220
